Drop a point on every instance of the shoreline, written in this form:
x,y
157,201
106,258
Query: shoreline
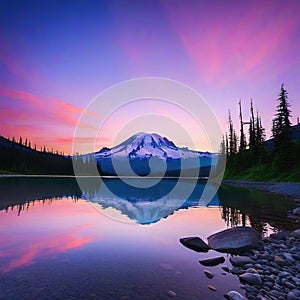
x,y
287,189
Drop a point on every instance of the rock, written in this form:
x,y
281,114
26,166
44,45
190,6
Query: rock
x,y
294,250
291,296
260,297
296,292
251,278
274,293
251,270
225,268
296,233
280,261
234,240
194,243
258,266
288,256
237,271
234,295
289,285
296,211
247,266
239,261
214,261
211,287
268,240
284,274
282,234
251,288
208,274
171,294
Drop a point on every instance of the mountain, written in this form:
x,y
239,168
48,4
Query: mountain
x,y
144,153
146,145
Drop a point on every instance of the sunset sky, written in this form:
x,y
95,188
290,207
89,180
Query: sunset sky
x,y
56,56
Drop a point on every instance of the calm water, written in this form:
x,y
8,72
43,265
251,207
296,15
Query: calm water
x,y
56,244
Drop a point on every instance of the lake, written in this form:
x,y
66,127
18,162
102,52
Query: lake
x,y
58,242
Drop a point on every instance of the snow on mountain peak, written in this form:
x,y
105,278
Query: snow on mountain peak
x,y
145,145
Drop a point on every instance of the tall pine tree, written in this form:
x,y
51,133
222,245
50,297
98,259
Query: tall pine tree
x,y
252,131
281,130
243,143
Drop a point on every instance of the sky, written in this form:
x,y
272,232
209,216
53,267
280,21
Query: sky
x,y
56,56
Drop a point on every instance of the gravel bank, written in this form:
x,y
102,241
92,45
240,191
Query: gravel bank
x,y
287,189
271,272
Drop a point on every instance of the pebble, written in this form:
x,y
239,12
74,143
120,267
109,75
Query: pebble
x,y
171,294
234,295
226,269
291,296
273,272
288,256
251,278
284,274
251,270
280,261
289,285
208,274
239,261
214,261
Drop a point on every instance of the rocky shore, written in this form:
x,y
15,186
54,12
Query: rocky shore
x,y
268,269
271,271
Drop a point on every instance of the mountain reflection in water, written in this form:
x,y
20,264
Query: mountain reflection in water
x,y
238,206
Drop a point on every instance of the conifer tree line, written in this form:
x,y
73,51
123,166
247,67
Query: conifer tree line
x,y
20,157
27,143
283,151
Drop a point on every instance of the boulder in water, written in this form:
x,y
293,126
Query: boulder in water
x,y
235,240
195,243
214,261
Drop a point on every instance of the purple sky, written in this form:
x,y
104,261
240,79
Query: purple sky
x,y
55,56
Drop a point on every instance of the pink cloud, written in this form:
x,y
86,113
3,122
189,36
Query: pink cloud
x,y
23,96
37,117
225,44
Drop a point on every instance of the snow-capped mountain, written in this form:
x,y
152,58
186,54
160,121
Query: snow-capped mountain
x,y
146,154
145,145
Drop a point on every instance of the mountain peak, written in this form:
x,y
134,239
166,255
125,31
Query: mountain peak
x,y
145,145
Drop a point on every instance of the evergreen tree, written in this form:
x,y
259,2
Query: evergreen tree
x,y
243,143
281,130
232,138
222,149
227,145
252,133
260,132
